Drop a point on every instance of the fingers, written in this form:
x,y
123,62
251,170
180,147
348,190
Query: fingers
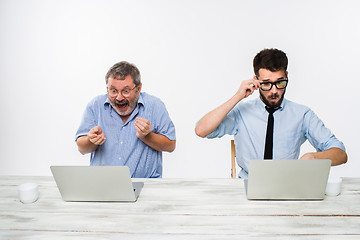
x,y
96,129
308,156
98,139
142,126
248,87
96,135
142,123
255,83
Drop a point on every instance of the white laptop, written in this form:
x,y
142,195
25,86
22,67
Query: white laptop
x,y
287,179
96,183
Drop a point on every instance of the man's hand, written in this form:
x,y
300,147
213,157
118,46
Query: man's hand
x,y
89,143
156,141
309,155
336,155
96,135
247,87
213,119
143,127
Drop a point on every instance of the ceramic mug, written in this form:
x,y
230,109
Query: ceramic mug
x,y
333,187
28,192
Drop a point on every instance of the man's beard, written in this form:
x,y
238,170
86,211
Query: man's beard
x,y
131,106
272,104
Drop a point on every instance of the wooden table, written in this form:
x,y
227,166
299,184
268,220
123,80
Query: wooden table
x,y
178,209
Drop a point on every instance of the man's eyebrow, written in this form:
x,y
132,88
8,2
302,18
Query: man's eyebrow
x,y
280,78
126,87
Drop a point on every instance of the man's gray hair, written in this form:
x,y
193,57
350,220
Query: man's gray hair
x,y
123,69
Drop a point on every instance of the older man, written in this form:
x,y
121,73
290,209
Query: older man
x,y
126,126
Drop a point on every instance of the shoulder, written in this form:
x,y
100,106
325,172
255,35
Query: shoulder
x,y
97,101
243,106
249,103
148,97
150,100
295,107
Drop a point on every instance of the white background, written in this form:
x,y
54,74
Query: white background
x,y
193,54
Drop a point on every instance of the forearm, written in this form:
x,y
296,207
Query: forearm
x,y
159,142
212,120
336,155
84,145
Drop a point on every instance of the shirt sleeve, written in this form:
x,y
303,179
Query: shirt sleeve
x,y
318,135
227,126
88,121
164,125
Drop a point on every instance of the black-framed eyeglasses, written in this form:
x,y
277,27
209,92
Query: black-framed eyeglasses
x,y
267,86
125,92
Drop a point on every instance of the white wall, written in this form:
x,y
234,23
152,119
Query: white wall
x,y
193,54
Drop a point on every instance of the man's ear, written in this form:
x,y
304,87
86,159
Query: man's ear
x,y
139,87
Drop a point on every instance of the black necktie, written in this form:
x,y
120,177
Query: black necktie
x,y
268,154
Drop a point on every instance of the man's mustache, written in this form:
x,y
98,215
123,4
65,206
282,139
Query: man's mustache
x,y
124,101
275,95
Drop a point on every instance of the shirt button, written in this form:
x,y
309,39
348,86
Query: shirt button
x,y
119,158
121,142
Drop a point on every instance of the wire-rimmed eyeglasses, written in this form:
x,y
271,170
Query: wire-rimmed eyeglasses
x,y
113,92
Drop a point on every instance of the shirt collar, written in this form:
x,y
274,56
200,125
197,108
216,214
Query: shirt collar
x,y
141,100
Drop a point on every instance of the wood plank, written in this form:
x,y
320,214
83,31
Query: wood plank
x,y
180,208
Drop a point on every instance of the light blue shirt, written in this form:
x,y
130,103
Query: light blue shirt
x,y
122,146
293,125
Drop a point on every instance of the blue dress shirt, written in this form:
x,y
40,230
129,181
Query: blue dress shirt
x,y
293,125
122,146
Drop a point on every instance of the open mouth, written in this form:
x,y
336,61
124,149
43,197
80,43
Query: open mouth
x,y
121,105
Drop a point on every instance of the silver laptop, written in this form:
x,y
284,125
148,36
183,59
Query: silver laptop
x,y
96,183
287,179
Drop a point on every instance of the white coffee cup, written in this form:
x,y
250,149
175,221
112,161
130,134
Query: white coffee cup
x,y
333,187
28,192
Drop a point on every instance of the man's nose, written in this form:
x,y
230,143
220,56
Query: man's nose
x,y
119,97
273,89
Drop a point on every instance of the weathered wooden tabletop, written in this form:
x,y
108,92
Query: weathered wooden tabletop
x,y
178,209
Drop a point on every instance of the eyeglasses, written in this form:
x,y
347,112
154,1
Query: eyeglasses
x,y
267,86
113,92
